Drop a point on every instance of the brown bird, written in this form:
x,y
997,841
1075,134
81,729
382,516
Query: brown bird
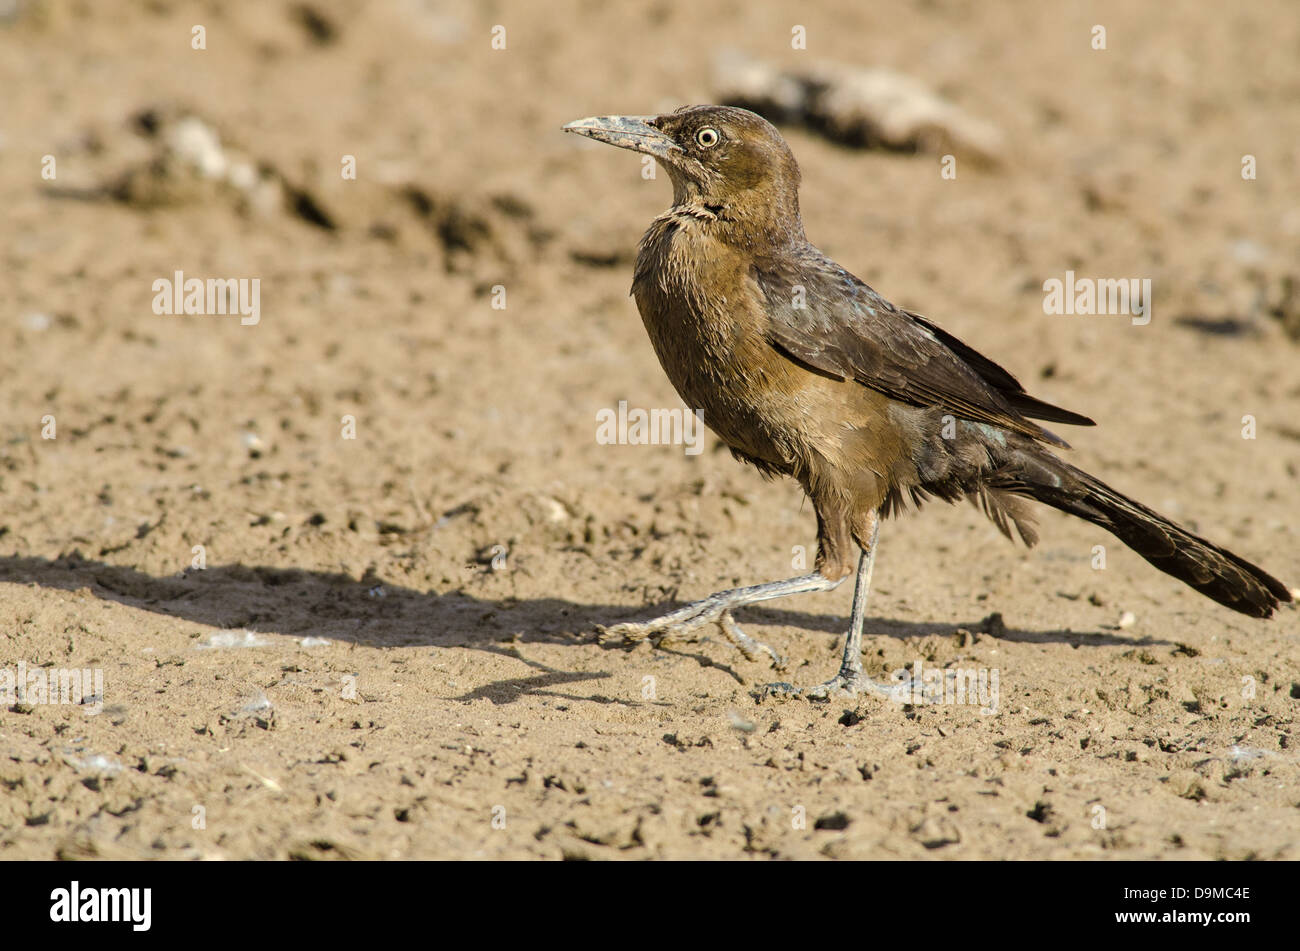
x,y
805,371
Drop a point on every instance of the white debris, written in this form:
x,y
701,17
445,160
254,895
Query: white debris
x,y
256,703
244,638
1249,252
739,723
197,143
1240,754
96,763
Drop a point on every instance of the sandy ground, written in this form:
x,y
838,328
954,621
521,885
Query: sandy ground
x,y
389,651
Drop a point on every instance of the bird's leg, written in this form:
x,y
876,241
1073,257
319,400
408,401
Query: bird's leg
x,y
716,609
850,679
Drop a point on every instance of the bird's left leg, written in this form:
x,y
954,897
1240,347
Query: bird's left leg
x,y
716,609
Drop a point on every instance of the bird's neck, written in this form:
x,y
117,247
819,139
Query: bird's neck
x,y
751,221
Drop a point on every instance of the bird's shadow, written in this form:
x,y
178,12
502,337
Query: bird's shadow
x,y
377,613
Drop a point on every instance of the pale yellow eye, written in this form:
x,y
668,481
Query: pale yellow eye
x,y
707,138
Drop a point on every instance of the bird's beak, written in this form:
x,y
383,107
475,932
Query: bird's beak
x,y
626,132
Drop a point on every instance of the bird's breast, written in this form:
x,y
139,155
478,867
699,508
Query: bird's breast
x,y
705,317
689,291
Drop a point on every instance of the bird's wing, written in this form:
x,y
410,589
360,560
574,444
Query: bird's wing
x,y
826,319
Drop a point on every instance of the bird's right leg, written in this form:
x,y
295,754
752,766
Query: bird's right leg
x,y
851,679
716,609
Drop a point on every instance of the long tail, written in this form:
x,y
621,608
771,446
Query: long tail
x,y
1215,572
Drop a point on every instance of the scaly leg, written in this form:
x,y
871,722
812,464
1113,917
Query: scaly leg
x,y
850,679
716,609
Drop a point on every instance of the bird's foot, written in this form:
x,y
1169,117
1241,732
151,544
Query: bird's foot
x,y
683,626
846,683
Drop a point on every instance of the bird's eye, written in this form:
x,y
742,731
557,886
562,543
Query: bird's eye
x,y
707,138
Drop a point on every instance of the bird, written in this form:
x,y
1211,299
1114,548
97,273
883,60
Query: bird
x,y
804,371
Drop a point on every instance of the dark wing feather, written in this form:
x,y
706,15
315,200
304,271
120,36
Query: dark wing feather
x,y
839,326
1003,381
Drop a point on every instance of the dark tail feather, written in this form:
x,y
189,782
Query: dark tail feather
x,y
1215,572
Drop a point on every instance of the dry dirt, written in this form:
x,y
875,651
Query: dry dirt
x,y
385,689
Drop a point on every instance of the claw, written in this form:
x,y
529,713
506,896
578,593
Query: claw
x,y
746,644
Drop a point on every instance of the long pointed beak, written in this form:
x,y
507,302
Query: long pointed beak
x,y
626,132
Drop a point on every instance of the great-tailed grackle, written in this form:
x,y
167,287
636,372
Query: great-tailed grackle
x,y
805,371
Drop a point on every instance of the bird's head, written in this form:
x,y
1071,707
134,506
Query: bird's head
x,y
721,157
